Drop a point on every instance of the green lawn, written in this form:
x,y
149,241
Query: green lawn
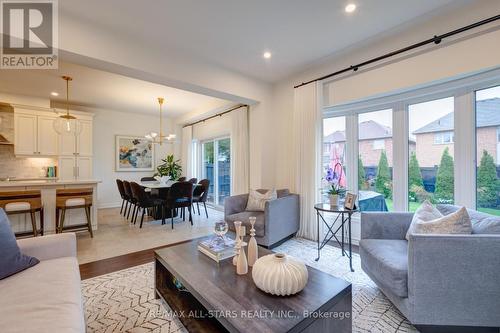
x,y
491,211
415,205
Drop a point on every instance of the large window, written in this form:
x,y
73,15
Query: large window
x,y
216,167
375,160
488,150
431,151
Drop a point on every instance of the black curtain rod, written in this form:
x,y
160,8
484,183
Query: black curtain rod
x,y
217,115
436,40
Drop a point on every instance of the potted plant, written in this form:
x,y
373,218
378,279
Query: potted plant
x,y
170,168
333,178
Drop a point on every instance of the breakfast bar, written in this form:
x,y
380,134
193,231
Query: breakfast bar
x,y
48,189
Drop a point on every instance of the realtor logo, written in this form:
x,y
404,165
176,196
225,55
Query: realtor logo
x,y
29,34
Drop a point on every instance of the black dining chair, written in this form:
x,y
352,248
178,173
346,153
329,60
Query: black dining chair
x,y
180,196
123,195
182,179
200,194
145,202
193,181
131,199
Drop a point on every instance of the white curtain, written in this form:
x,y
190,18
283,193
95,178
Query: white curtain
x,y
187,152
306,148
239,151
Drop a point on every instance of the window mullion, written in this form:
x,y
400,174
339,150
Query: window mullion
x,y
400,157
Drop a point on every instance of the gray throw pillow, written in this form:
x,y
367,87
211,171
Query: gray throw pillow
x,y
12,261
455,223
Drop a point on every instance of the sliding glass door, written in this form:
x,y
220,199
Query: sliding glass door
x,y
216,167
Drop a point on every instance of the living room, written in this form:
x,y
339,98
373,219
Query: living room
x,y
173,176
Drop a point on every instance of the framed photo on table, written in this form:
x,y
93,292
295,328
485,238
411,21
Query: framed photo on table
x,y
350,201
134,153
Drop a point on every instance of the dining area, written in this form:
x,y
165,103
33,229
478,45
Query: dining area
x,y
165,200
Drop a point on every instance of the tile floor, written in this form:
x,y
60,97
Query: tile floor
x,y
117,236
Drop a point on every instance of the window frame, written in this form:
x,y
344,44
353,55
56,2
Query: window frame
x,y
463,90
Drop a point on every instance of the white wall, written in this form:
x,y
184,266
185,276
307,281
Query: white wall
x,y
107,124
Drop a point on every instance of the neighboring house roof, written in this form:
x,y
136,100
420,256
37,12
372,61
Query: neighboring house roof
x,y
368,130
487,114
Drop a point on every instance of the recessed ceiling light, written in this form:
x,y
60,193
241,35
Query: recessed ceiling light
x,y
267,55
350,8
54,93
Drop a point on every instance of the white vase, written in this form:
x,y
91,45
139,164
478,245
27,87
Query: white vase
x,y
242,264
253,251
334,199
279,274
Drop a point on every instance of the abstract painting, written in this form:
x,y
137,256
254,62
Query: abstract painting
x,y
134,154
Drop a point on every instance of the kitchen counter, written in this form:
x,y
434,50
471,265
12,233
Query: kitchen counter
x,y
47,182
48,188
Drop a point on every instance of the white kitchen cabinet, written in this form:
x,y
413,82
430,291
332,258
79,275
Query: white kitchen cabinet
x,y
75,168
47,138
25,134
84,140
84,167
67,145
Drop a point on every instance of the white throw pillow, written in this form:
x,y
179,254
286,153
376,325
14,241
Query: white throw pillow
x,y
426,212
257,201
454,223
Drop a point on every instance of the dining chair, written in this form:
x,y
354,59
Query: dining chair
x,y
131,200
123,195
24,202
180,195
193,181
144,201
200,194
182,179
74,198
148,179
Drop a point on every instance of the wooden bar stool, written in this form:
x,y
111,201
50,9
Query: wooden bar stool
x,y
73,199
24,202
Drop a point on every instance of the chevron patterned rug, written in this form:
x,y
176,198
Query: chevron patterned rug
x,y
124,301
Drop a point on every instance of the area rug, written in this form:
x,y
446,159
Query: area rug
x,y
124,301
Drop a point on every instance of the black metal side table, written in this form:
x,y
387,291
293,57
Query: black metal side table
x,y
344,215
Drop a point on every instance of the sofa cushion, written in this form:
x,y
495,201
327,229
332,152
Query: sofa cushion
x,y
257,200
244,218
482,223
454,223
387,261
44,298
12,260
426,212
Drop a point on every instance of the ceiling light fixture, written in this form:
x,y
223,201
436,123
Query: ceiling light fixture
x,y
156,138
267,55
66,123
350,8
54,93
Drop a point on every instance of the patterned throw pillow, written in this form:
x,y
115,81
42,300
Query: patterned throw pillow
x,y
454,223
257,201
426,212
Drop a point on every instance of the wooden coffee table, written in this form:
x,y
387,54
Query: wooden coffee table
x,y
211,297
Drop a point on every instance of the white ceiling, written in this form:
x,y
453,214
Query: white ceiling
x,y
235,33
96,88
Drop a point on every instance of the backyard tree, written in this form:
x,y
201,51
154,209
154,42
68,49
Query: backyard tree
x,y
361,174
487,182
445,179
383,181
415,182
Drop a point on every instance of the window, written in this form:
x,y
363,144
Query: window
x,y
431,151
334,148
216,166
378,144
488,150
442,138
375,160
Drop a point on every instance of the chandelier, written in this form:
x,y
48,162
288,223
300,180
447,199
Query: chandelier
x,y
66,123
154,137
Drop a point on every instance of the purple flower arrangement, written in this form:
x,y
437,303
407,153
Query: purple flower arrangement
x,y
334,178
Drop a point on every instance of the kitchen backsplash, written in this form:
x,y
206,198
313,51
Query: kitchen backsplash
x,y
19,167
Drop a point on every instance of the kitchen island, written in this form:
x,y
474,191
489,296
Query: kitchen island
x,y
48,189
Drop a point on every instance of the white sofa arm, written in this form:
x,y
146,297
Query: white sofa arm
x,y
49,247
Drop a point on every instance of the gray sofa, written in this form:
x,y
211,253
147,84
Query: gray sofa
x,y
278,222
436,280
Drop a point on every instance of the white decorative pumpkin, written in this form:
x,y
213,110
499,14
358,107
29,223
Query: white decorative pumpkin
x,y
279,274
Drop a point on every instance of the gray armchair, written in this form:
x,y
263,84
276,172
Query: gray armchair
x,y
278,222
436,280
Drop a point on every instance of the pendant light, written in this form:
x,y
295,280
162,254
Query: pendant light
x,y
67,124
156,138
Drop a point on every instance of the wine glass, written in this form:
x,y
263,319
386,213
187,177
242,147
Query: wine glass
x,y
220,230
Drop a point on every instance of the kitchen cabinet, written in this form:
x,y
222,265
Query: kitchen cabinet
x,y
72,167
34,135
47,137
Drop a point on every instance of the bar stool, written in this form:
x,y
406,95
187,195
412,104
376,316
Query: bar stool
x,y
24,202
73,199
